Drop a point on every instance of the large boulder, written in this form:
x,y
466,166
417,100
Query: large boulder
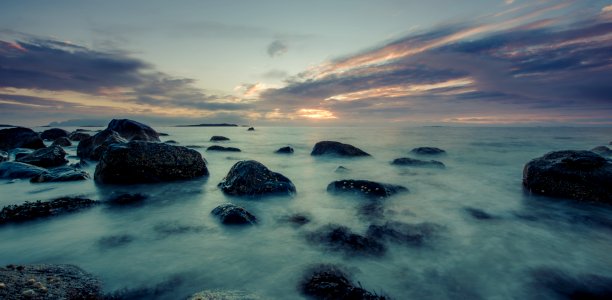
x,y
411,162
93,147
53,134
133,131
579,175
4,156
336,148
146,162
364,188
251,178
17,170
52,156
233,214
29,211
20,137
78,136
62,141
61,174
331,282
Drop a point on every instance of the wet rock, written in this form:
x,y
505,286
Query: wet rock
x,y
62,141
284,150
602,150
428,150
171,142
42,209
342,169
81,164
365,188
407,161
478,213
48,282
165,289
329,282
232,214
578,175
221,148
565,286
195,146
223,295
342,239
336,148
251,129
372,210
61,174
162,134
17,170
93,147
78,136
133,131
296,219
127,199
19,152
251,178
147,162
4,156
218,138
19,137
403,233
52,156
53,134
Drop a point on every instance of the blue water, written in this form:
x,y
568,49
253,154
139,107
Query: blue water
x,y
173,244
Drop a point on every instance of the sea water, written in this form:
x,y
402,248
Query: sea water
x,y
170,246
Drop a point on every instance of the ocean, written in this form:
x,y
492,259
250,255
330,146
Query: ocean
x,y
170,246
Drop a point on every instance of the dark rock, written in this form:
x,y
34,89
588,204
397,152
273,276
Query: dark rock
x,y
284,150
221,148
82,130
61,174
251,178
296,219
427,150
133,131
127,199
218,138
232,214
48,282
115,241
39,209
336,148
17,170
81,164
166,229
62,141
251,129
579,175
171,142
365,188
565,286
342,239
93,147
147,162
162,134
18,153
78,136
372,210
329,282
223,295
195,146
342,169
53,134
404,233
166,289
602,150
52,156
4,156
407,161
20,137
478,214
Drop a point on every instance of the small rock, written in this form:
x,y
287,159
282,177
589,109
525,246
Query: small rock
x,y
29,293
4,156
62,141
404,233
52,156
53,134
39,209
78,136
61,174
365,188
284,150
336,148
223,295
407,161
221,148
296,219
252,178
478,214
171,142
251,129
218,138
163,134
342,169
427,150
329,282
232,214
341,238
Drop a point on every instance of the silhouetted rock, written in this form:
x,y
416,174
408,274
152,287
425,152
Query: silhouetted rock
x,y
342,239
53,134
62,141
365,188
251,129
232,214
336,148
52,156
218,138
133,131
407,161
41,209
565,286
78,136
20,152
60,174
20,137
478,213
251,178
427,150
221,148
329,282
162,134
602,150
579,175
147,162
48,282
404,233
284,150
93,147
342,169
171,142
223,295
17,170
4,156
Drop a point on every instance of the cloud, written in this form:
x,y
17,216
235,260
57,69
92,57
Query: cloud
x,y
275,74
276,48
508,1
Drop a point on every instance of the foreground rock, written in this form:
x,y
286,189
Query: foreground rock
x,y
284,150
48,282
17,170
53,134
218,138
133,131
407,161
566,286
221,148
602,150
365,188
342,239
336,148
20,137
78,136
223,295
329,282
92,148
232,214
428,150
4,156
61,174
52,156
62,141
42,209
579,175
251,178
146,162
403,233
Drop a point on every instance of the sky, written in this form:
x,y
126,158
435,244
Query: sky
x,y
307,63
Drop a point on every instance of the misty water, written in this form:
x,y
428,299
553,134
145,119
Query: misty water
x,y
170,246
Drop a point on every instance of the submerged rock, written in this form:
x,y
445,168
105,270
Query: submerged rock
x,y
232,214
4,156
478,213
336,148
218,138
42,209
133,131
341,169
579,175
48,282
284,150
93,147
404,233
341,238
407,161
78,136
565,286
62,141
146,162
602,150
296,219
251,178
61,174
53,134
223,295
17,170
221,148
329,282
52,156
365,188
427,150
20,137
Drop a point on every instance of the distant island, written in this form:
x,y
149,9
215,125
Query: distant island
x,y
209,125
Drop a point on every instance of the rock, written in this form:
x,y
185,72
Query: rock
x,y
20,137
336,148
18,153
53,134
285,150
114,241
62,141
329,282
602,150
221,148
61,174
162,134
171,142
4,156
478,213
404,233
232,214
52,156
407,161
341,169
251,178
78,136
365,188
296,219
251,129
79,165
147,162
565,286
427,150
223,295
127,199
579,175
133,131
17,170
342,239
48,282
218,138
42,209
93,147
